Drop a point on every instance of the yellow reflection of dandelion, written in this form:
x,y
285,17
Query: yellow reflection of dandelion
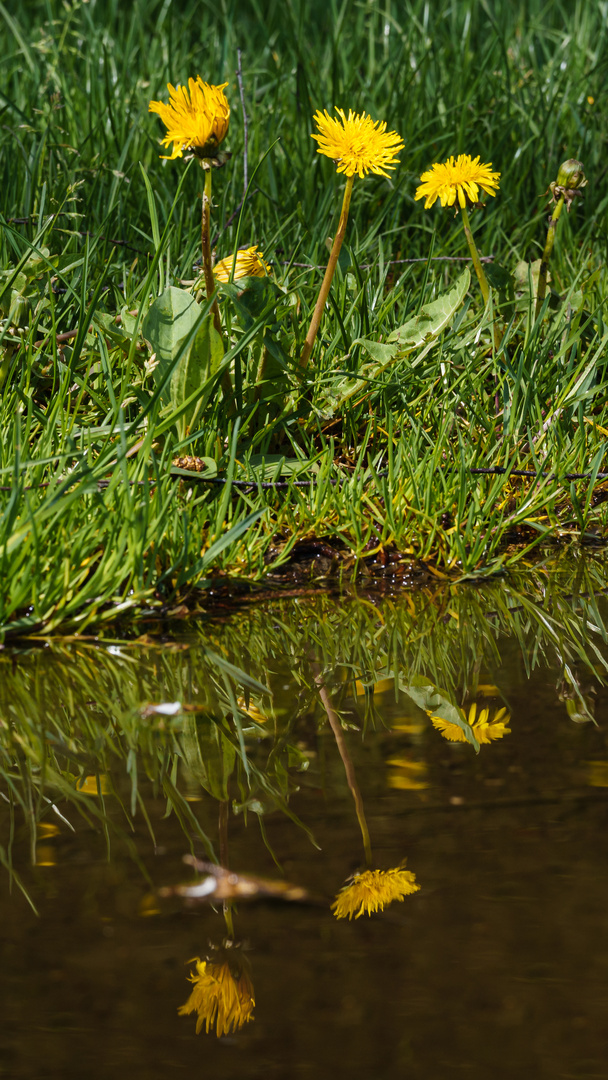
x,y
373,890
248,263
252,711
45,855
93,785
485,728
356,143
408,775
459,178
598,773
488,728
196,118
222,995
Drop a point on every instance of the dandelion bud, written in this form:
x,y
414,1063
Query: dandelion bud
x,y
571,175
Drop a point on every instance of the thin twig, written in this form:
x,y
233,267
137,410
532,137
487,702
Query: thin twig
x,y
272,485
239,76
396,262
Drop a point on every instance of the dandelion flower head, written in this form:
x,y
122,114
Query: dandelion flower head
x,y
356,143
222,997
372,890
248,263
485,727
459,178
196,118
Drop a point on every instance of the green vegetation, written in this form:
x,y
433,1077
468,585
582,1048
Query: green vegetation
x,y
231,715
96,228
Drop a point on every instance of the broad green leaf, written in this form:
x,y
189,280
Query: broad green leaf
x,y
433,318
434,701
199,362
169,328
417,333
381,354
170,320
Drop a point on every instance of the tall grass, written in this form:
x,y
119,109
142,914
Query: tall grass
x,y
95,226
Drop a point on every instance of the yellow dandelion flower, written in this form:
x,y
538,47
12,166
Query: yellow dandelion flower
x,y
196,118
457,179
449,730
485,728
249,263
222,996
356,143
373,890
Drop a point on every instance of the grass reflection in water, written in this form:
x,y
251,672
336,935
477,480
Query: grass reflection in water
x,y
232,720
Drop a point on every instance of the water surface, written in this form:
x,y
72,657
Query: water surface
x,y
293,731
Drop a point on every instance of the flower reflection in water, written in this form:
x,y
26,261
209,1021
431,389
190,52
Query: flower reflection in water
x,y
373,890
223,991
485,727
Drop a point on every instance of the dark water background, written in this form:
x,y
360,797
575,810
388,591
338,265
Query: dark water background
x,y
497,967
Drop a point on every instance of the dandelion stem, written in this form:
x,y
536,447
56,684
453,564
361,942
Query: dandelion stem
x,y
210,283
544,263
481,277
315,322
206,249
261,373
223,845
349,769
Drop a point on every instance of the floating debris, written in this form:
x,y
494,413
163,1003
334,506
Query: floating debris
x,y
219,884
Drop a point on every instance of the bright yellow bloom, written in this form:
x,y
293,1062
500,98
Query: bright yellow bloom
x,y
222,995
356,143
372,890
249,263
457,179
484,728
196,118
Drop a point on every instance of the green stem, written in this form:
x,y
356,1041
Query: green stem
x,y
210,283
223,845
544,263
315,322
261,373
206,249
349,769
479,270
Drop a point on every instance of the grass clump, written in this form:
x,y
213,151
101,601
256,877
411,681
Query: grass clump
x,y
124,356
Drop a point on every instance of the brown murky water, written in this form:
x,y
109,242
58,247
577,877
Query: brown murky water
x,y
497,966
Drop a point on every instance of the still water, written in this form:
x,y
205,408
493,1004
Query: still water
x,y
456,736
